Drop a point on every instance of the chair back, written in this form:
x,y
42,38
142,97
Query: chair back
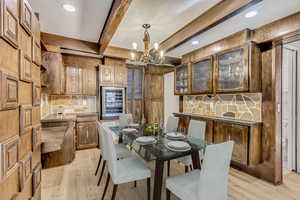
x,y
125,120
111,153
197,129
213,184
172,124
102,139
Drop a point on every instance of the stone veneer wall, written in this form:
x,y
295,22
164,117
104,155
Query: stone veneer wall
x,y
243,106
70,104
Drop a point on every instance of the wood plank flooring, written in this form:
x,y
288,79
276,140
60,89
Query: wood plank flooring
x,y
76,181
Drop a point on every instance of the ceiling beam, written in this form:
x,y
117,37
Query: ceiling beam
x,y
207,20
116,14
69,43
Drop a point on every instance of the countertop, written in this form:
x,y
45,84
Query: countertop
x,y
219,119
67,117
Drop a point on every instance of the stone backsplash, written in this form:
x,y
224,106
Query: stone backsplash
x,y
243,106
67,104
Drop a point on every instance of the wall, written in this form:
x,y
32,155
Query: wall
x,y
171,102
20,156
245,106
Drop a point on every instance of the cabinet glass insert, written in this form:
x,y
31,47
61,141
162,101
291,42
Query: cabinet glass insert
x,y
231,70
201,75
182,79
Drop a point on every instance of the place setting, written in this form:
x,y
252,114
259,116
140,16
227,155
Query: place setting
x,y
146,140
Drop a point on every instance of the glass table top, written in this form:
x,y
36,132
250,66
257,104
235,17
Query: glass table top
x,y
158,150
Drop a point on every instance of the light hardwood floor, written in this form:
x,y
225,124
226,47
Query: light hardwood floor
x,y
76,181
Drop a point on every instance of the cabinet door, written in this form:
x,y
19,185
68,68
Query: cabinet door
x,y
92,134
106,75
201,78
25,67
26,16
73,80
182,83
232,70
89,83
36,28
36,178
10,22
36,137
239,134
9,157
25,118
25,170
8,91
87,136
36,95
120,76
36,52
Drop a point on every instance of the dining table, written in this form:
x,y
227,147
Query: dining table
x,y
159,152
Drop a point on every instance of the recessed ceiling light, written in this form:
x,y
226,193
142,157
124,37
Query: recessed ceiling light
x,y
251,14
195,42
69,7
134,45
217,48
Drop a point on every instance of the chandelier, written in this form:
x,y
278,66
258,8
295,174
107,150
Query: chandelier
x,y
148,56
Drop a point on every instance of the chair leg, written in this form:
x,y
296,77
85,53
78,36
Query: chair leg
x,y
186,169
106,186
99,163
149,188
114,192
102,172
191,167
135,184
168,194
169,165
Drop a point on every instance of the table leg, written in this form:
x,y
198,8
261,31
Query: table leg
x,y
196,159
158,179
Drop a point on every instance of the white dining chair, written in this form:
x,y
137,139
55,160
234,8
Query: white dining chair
x,y
121,150
209,183
125,120
125,170
172,124
196,130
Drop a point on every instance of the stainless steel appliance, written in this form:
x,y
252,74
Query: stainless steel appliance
x,y
113,102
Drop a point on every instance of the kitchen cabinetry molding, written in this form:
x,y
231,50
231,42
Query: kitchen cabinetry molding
x,y
25,170
25,67
9,91
10,22
26,16
25,118
9,157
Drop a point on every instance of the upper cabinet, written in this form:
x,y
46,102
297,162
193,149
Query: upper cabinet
x,y
233,70
182,84
89,81
120,76
26,16
73,80
10,21
202,76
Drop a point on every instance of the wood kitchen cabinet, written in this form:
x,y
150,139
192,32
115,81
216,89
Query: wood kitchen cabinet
x,y
202,76
8,91
239,134
120,76
182,79
87,135
106,75
25,67
55,73
89,81
73,80
26,15
113,73
10,21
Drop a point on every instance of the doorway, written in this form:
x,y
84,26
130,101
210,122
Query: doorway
x,y
290,108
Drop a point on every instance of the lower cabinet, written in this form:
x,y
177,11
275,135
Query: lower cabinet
x,y
239,134
87,135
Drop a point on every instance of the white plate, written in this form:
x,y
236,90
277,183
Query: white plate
x,y
175,135
178,150
129,130
145,140
133,125
179,145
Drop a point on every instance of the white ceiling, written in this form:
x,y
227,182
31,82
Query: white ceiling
x,y
85,24
165,17
268,11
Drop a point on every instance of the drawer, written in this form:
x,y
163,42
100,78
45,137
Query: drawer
x,y
36,95
8,91
36,178
25,118
36,137
9,153
25,170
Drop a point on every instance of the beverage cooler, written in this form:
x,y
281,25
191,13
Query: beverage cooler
x,y
112,102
